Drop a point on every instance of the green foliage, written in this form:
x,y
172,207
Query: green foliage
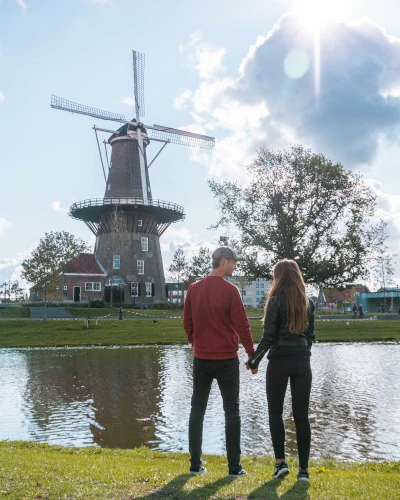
x,y
54,250
14,312
166,306
299,205
200,265
32,470
179,269
97,304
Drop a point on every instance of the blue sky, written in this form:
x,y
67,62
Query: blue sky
x,y
240,72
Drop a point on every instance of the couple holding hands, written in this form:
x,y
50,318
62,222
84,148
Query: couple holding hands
x,y
214,318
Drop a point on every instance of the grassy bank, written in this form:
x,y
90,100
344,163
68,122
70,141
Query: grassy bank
x,y
30,333
14,312
33,471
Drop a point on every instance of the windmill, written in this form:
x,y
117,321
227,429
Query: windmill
x,y
128,221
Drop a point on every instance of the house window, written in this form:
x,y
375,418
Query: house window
x,y
148,289
93,286
116,261
140,266
257,285
258,299
135,289
262,292
145,244
140,223
261,285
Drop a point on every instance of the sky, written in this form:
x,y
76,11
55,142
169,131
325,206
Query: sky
x,y
274,73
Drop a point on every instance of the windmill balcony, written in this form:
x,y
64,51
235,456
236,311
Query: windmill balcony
x,y
95,211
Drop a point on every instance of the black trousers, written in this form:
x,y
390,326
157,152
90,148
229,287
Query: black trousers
x,y
226,373
279,371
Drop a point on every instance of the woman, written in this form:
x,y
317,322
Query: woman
x,y
288,335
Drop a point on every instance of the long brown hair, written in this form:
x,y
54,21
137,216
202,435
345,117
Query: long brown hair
x,y
287,278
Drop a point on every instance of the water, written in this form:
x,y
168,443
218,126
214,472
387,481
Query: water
x,y
93,396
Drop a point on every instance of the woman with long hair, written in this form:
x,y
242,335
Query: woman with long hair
x,y
288,335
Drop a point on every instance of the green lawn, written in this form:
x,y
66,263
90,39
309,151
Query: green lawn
x,y
14,312
33,333
37,471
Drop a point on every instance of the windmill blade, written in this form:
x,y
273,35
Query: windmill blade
x,y
182,137
138,80
74,107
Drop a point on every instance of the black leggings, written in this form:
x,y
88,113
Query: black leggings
x,y
279,371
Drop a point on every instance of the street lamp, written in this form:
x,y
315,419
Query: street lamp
x,y
88,312
120,301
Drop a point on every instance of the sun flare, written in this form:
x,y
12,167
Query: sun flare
x,y
316,13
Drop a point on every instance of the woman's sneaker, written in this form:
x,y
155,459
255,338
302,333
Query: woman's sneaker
x,y
281,470
303,475
239,473
198,470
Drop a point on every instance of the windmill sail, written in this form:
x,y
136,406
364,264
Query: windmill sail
x,y
74,107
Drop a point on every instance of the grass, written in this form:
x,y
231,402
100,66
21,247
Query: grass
x,y
14,312
33,333
39,471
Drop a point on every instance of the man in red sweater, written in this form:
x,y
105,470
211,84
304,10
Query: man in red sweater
x,y
214,318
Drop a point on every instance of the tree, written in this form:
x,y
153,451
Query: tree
x,y
16,291
54,250
200,265
179,268
383,272
299,205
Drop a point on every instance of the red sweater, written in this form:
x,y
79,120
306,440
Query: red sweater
x,y
214,317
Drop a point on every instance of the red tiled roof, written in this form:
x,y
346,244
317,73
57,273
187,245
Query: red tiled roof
x,y
85,263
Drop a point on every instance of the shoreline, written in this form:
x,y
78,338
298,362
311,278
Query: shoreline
x,y
33,470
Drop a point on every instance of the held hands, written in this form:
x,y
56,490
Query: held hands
x,y
253,370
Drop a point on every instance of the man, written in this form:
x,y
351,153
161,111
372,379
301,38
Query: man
x,y
214,317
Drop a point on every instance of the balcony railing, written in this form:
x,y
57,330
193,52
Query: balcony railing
x,y
96,202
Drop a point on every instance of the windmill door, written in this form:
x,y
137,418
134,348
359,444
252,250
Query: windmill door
x,y
77,293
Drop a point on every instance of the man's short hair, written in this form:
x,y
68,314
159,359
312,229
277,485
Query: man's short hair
x,y
224,252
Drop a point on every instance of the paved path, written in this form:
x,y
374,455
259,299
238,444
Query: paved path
x,y
51,312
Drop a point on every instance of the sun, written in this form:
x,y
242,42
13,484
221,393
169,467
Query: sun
x,y
317,13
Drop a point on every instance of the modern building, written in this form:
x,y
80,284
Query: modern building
x,y
252,292
175,293
375,301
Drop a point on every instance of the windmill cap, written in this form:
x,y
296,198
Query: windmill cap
x,y
226,252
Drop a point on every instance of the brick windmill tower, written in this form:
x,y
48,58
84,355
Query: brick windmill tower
x,y
128,221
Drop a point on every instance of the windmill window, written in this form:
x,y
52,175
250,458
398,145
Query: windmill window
x,y
140,266
148,289
116,261
145,244
140,223
135,289
109,187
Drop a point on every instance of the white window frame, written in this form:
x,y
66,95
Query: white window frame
x,y
90,286
134,285
116,258
145,243
148,289
140,266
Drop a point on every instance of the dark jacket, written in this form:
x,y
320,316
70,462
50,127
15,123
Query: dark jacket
x,y
277,339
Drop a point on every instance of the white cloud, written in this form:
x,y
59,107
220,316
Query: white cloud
x,y
206,58
21,3
56,205
4,224
2,97
129,101
357,106
189,241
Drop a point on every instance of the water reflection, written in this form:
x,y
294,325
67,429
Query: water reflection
x,y
95,396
